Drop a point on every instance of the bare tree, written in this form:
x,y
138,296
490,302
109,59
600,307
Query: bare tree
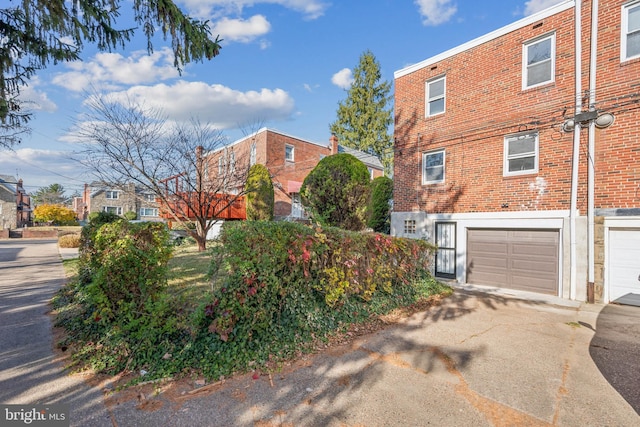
x,y
178,163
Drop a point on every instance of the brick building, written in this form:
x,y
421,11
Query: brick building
x,y
15,204
507,158
289,160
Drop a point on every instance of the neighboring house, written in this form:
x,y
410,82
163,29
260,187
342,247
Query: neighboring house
x,y
15,203
289,160
486,138
98,197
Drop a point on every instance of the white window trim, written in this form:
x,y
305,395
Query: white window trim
x,y
153,210
624,31
253,154
117,208
108,193
525,69
444,163
506,158
293,153
428,99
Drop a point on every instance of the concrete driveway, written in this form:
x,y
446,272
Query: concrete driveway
x,y
478,359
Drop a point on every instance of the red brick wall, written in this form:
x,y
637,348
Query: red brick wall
x,y
485,102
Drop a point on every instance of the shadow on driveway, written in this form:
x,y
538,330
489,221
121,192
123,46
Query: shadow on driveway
x,y
615,349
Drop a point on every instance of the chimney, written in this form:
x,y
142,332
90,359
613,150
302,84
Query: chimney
x,y
333,144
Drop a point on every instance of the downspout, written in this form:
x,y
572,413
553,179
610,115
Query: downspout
x,y
591,183
576,151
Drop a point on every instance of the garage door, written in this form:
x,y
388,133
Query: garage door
x,y
624,266
514,259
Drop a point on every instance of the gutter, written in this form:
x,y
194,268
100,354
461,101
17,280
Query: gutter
x,y
593,57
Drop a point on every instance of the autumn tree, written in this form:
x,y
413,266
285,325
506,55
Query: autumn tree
x,y
52,195
364,117
260,194
34,33
186,166
54,214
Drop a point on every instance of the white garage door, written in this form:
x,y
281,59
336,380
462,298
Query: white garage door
x,y
624,266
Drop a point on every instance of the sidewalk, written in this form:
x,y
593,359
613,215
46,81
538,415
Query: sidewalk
x,y
68,253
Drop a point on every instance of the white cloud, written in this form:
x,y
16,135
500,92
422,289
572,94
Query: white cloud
x,y
223,107
207,9
241,30
436,12
39,168
533,6
110,70
34,99
343,78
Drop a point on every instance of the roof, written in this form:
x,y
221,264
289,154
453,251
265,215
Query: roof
x,y
9,183
560,7
366,158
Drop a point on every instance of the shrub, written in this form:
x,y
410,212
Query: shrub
x,y
290,280
336,191
69,241
259,190
379,210
88,260
131,260
55,214
130,215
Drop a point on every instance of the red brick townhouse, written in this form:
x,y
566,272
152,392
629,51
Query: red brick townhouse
x,y
518,154
289,160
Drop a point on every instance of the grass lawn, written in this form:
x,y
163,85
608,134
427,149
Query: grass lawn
x,y
188,279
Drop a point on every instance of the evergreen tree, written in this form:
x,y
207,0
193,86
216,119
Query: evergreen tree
x,y
50,195
379,215
336,192
363,117
260,196
34,33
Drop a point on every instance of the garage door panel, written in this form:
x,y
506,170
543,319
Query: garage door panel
x,y
514,259
624,266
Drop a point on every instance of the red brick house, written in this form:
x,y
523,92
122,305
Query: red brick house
x,y
289,160
522,170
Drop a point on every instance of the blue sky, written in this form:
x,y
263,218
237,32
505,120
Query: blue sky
x,y
285,64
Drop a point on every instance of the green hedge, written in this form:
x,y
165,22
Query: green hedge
x,y
286,283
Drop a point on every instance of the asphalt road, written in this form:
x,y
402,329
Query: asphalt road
x,y
30,273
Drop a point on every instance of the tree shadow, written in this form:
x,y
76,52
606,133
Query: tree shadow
x,y
615,349
395,366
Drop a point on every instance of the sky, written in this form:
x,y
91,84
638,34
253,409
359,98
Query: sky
x,y
284,64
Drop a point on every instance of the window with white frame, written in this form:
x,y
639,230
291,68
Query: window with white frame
x,y
111,194
435,96
409,226
221,165
113,209
148,212
538,61
288,152
630,42
521,154
232,162
147,197
433,167
253,154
